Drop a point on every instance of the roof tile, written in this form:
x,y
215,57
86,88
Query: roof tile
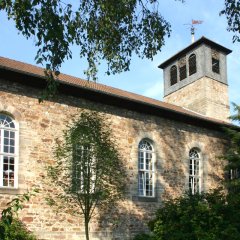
x,y
29,69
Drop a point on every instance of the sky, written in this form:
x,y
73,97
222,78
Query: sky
x,y
144,77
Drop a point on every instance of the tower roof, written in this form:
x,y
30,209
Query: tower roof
x,y
202,40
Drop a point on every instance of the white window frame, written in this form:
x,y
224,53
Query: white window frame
x,y
146,171
4,154
195,171
80,152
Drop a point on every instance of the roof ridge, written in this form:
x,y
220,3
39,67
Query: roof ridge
x,y
30,69
87,82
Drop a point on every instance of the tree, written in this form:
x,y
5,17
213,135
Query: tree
x,y
88,170
233,156
232,182
231,10
206,216
103,29
11,228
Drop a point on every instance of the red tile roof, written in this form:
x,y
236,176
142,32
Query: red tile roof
x,y
29,69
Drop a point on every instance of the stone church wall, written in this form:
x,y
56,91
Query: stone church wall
x,y
205,96
41,124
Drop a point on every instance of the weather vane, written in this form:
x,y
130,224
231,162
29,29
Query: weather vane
x,y
193,28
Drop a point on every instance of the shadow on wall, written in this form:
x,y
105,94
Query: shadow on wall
x,y
172,169
124,222
171,139
132,215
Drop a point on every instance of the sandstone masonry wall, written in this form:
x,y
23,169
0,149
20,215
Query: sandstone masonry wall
x,y
41,124
206,96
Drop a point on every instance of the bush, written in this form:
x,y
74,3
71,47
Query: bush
x,y
16,231
143,236
207,216
11,228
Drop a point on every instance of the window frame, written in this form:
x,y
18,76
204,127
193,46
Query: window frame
x,y
85,168
215,65
195,175
192,66
233,174
14,155
173,78
183,72
146,171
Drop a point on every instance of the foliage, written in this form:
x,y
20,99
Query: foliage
x,y
231,10
200,216
102,29
15,205
11,228
233,168
206,216
88,170
143,236
16,231
233,155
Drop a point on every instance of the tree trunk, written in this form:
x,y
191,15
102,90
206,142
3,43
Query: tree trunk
x,y
86,229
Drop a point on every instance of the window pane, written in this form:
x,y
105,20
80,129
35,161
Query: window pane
x,y
8,171
183,72
215,65
194,174
148,184
145,155
190,167
12,135
6,121
12,150
147,161
11,160
192,64
173,75
141,183
12,142
141,161
6,134
7,147
6,141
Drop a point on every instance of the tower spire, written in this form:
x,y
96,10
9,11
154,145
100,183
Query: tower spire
x,y
193,28
193,33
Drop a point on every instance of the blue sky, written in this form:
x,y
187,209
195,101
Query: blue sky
x,y
144,77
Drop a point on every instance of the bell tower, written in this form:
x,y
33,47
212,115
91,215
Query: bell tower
x,y
196,78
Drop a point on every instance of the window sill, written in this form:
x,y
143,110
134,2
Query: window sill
x,y
11,191
144,199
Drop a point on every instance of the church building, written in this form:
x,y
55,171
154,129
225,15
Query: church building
x,y
168,147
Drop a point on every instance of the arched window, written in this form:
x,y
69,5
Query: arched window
x,y
215,61
182,68
183,72
145,169
173,75
192,63
194,171
215,65
8,175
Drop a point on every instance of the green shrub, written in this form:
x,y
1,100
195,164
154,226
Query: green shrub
x,y
16,231
209,216
142,236
11,228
